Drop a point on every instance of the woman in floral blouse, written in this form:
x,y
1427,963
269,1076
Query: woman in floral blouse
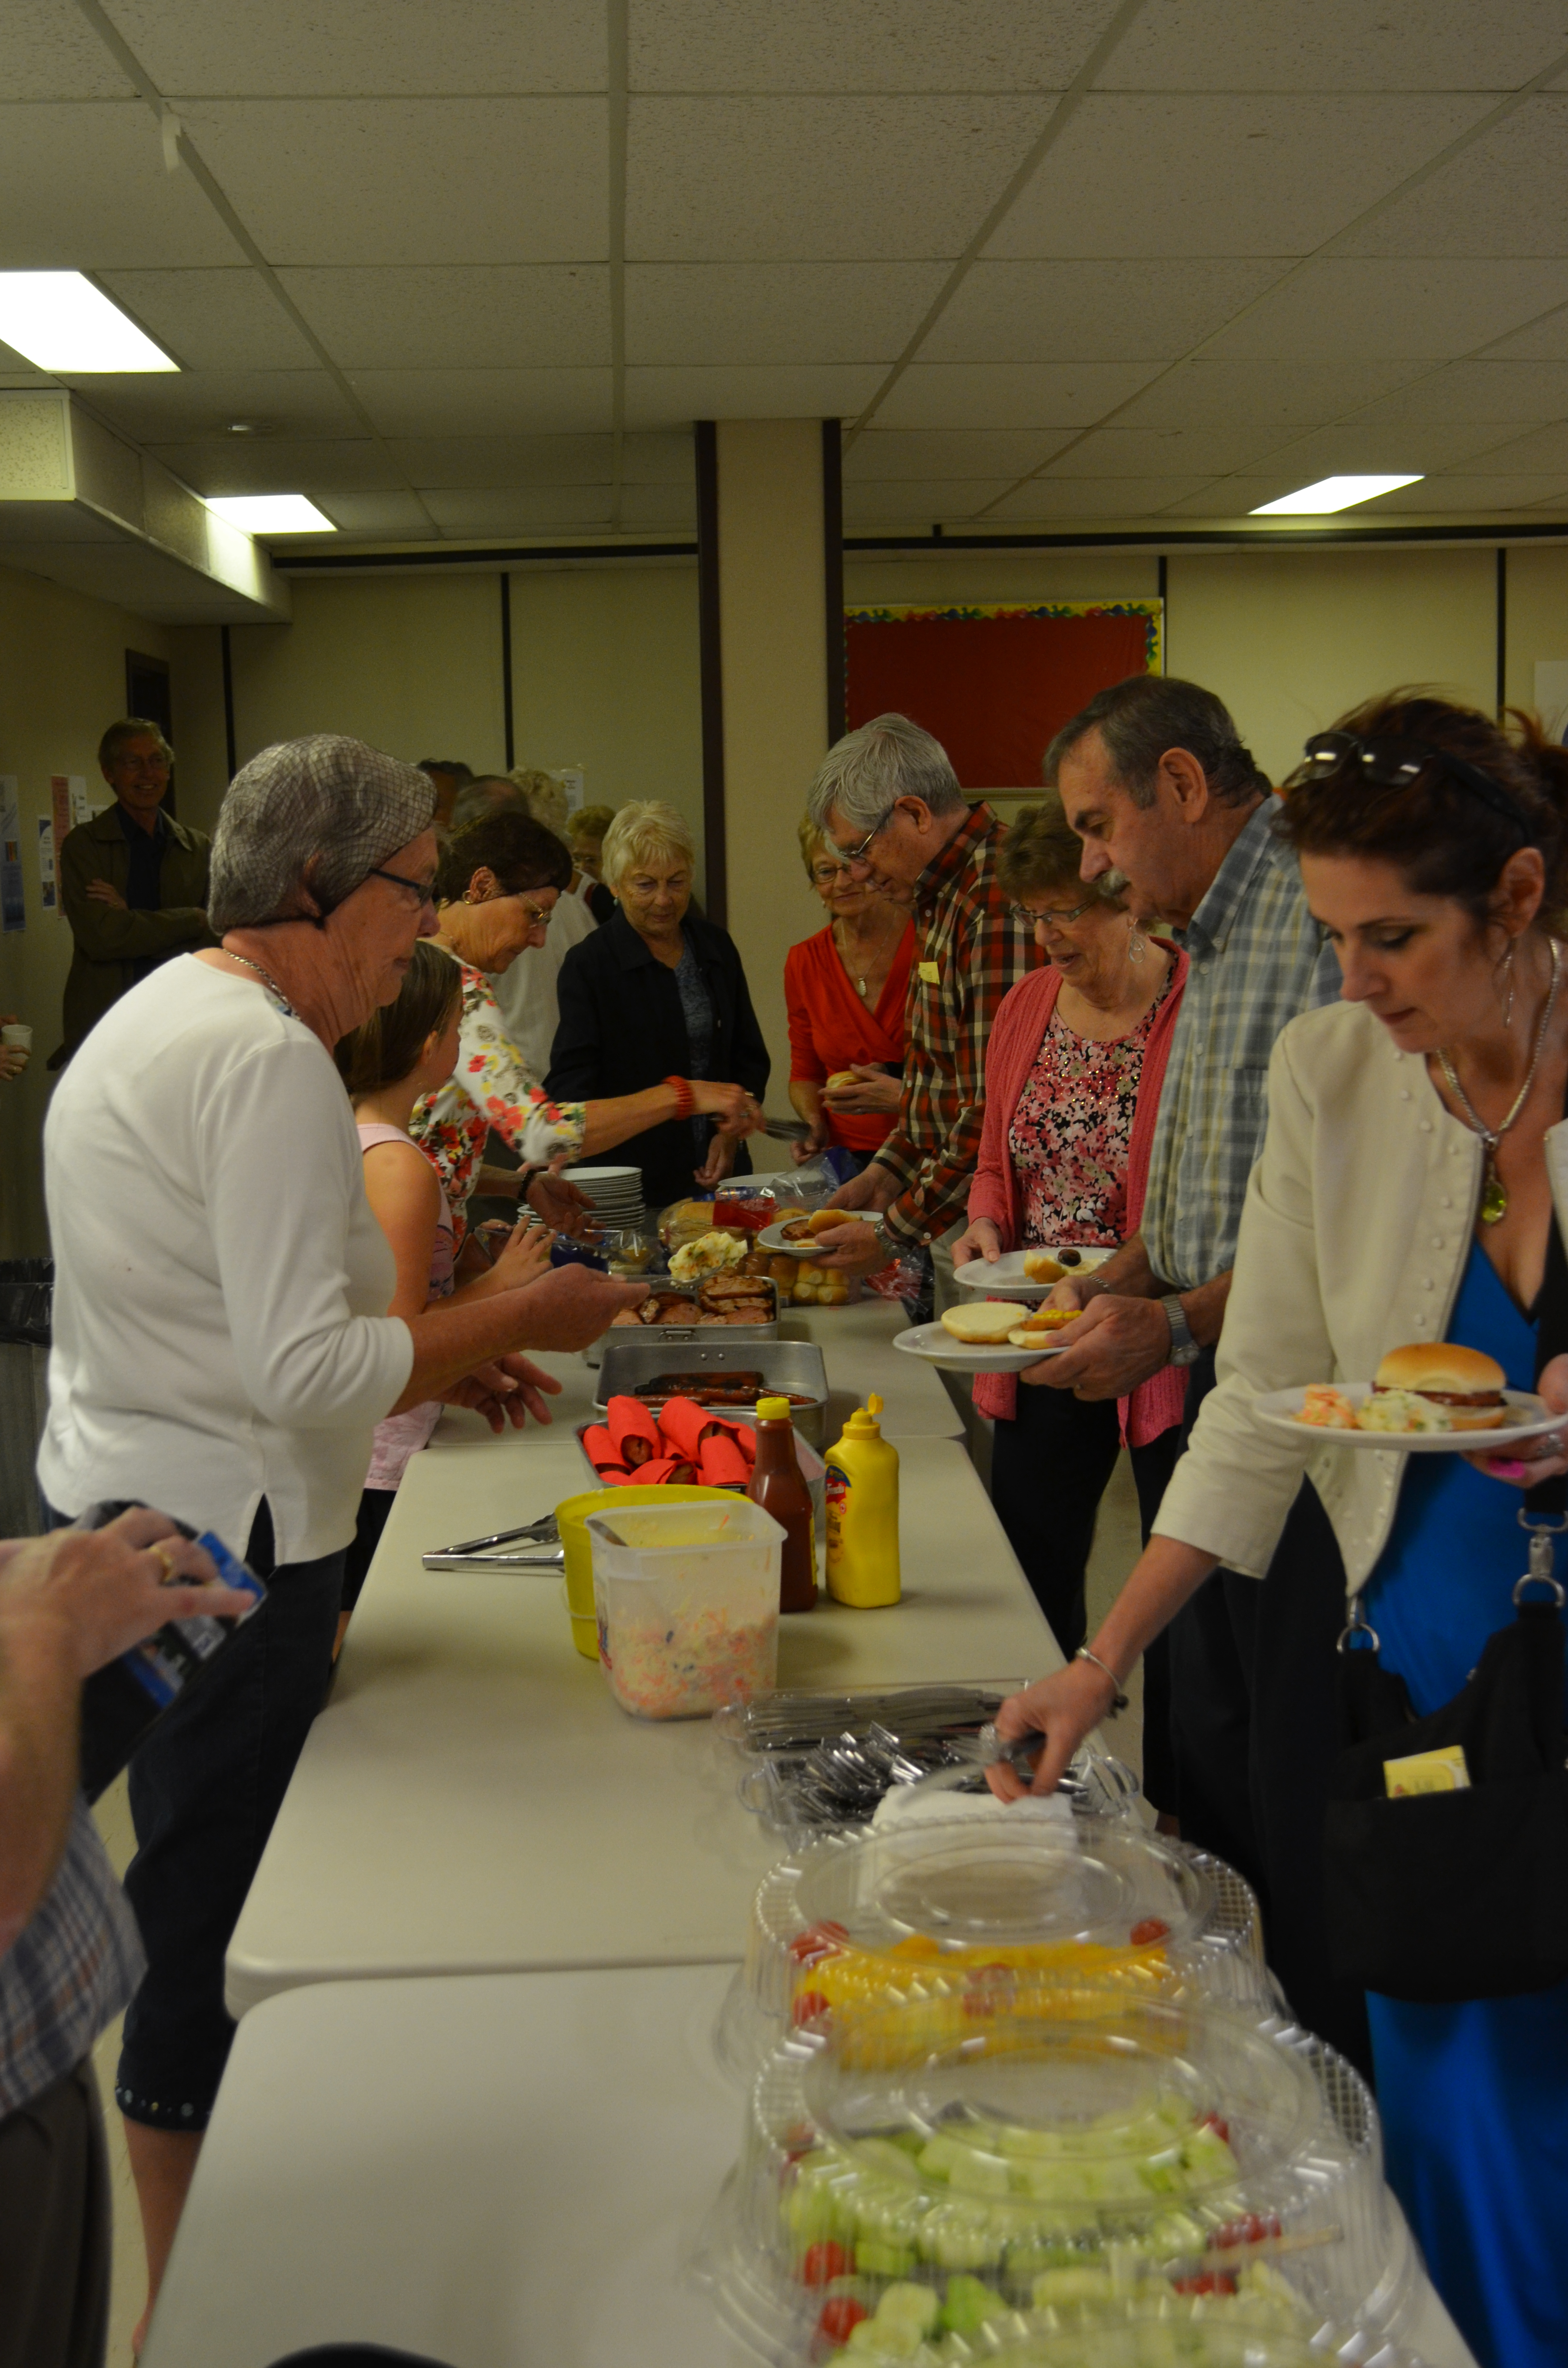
x,y
1073,1073
497,886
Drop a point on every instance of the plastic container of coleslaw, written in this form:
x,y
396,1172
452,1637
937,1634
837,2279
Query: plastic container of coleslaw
x,y
686,1598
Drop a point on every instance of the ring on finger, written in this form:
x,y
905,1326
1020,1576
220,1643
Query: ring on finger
x,y
167,1561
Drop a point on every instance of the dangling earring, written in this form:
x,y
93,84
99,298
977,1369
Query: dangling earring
x,y
1505,975
1136,945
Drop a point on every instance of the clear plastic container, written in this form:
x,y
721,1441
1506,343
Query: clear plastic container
x,y
1075,2157
1254,2327
686,1598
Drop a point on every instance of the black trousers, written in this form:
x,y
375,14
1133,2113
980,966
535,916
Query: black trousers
x,y
54,2228
205,1787
1253,1727
1050,1467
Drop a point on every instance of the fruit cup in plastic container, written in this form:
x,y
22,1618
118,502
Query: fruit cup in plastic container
x,y
686,1598
1084,2155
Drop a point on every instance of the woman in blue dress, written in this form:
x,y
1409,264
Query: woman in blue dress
x,y
1403,1195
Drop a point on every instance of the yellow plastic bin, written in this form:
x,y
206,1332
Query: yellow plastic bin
x,y
571,1513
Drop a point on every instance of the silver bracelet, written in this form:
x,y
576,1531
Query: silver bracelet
x,y
1119,1699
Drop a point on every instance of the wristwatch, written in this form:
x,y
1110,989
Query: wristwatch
x,y
1185,1350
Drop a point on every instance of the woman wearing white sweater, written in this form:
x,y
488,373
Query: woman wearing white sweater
x,y
221,1345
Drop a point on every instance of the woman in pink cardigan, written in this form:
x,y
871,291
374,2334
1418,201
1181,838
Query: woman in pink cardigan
x,y
1073,1074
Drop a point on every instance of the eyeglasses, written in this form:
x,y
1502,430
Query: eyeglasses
x,y
824,874
847,855
1394,763
1054,919
425,890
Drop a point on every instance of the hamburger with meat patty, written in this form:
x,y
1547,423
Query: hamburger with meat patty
x,y
1465,1384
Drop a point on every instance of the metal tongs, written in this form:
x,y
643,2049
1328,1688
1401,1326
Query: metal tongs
x,y
476,1554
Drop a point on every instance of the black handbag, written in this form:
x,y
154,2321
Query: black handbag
x,y
1442,1896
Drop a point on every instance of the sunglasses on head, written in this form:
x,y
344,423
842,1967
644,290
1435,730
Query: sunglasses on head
x,y
1394,763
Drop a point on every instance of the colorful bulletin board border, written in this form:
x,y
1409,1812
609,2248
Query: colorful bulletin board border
x,y
995,681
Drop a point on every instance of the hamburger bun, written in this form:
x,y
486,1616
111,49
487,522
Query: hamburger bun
x,y
840,1078
984,1322
1465,1384
1040,1266
822,1221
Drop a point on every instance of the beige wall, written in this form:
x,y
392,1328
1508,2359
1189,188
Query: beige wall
x,y
1538,615
1005,576
61,681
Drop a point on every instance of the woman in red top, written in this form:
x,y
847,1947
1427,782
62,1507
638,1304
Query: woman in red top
x,y
1072,1074
846,990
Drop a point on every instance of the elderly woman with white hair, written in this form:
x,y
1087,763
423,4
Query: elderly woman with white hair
x,y
658,995
222,1346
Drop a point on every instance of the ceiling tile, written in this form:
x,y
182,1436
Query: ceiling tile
x,y
489,316
439,402
1502,195
1424,311
233,49
932,453
1434,496
48,50
412,180
84,189
282,464
1543,341
862,45
772,312
672,508
951,497
1474,393
1103,497
669,398
1352,445
828,178
399,517
1544,449
669,460
213,319
1164,452
1222,176
1260,396
1336,45
1009,394
1104,311
541,509
164,409
504,460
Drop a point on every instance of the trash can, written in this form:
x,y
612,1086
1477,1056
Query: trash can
x,y
27,1295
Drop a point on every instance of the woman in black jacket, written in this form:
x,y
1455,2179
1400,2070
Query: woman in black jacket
x,y
658,996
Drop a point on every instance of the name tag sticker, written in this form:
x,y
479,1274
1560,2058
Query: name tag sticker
x,y
930,974
1428,1771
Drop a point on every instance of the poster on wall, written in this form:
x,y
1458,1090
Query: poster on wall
x,y
13,907
60,805
571,779
994,682
47,898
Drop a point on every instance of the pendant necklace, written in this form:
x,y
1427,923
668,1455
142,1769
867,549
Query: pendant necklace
x,y
266,979
860,983
1494,1192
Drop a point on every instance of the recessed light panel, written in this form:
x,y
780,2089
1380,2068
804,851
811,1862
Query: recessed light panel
x,y
272,514
1332,494
59,321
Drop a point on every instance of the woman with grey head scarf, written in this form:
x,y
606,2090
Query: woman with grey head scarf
x,y
222,1346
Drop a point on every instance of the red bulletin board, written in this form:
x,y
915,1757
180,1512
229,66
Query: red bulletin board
x,y
995,684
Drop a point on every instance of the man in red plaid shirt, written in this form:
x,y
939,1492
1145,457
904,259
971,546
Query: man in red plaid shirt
x,y
888,801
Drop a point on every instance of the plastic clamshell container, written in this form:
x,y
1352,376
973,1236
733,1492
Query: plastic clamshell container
x,y
571,1515
793,1368
1073,2156
688,1601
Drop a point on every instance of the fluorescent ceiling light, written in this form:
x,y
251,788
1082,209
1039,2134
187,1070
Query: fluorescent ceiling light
x,y
272,514
1332,494
58,321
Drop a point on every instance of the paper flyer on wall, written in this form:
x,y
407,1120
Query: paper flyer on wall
x,y
47,898
13,907
59,806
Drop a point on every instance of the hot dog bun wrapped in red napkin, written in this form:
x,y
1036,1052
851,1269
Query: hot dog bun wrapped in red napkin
x,y
685,1426
602,1451
661,1468
721,1463
634,1432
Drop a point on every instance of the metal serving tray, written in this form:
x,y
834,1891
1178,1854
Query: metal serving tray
x,y
675,1333
788,1365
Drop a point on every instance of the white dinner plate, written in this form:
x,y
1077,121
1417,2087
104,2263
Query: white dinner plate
x,y
773,1239
1006,1278
1277,1408
937,1346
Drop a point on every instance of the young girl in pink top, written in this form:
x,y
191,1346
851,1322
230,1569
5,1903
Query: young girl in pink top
x,y
402,1052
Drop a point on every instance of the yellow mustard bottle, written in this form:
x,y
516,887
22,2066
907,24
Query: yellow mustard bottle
x,y
862,1513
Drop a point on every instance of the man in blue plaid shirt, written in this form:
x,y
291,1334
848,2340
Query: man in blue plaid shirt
x,y
70,1954
1157,783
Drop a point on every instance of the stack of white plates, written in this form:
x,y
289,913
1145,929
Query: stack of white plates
x,y
616,1193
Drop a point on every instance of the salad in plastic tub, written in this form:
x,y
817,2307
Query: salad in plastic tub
x,y
687,1597
1079,2155
1260,2325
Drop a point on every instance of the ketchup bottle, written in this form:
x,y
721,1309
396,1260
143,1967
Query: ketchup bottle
x,y
777,1485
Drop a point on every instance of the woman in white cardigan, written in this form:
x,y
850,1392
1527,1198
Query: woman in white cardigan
x,y
1401,1195
221,1344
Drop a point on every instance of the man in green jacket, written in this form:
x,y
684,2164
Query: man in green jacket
x,y
132,880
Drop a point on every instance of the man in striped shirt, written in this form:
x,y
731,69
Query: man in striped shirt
x,y
889,800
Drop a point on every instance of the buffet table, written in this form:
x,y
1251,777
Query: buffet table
x,y
471,1799
492,2170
